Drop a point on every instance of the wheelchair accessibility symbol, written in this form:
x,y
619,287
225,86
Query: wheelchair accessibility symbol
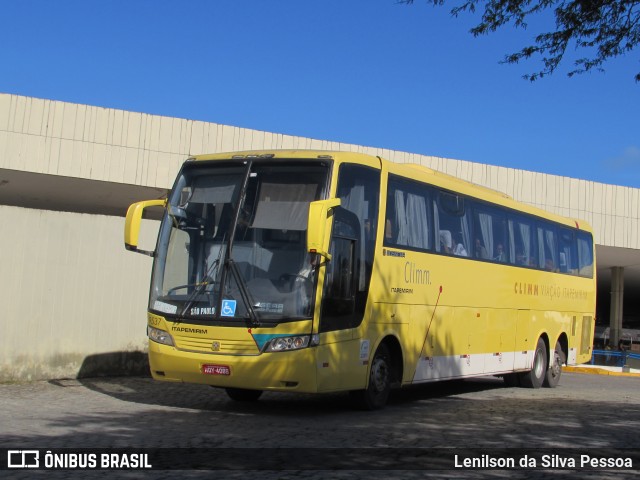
x,y
228,308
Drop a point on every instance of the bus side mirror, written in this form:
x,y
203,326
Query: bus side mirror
x,y
132,224
318,225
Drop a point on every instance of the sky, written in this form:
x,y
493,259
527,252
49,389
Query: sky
x,y
367,72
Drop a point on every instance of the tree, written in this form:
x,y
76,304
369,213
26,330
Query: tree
x,y
602,29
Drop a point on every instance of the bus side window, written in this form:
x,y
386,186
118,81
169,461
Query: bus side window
x,y
408,221
522,244
490,234
451,221
547,251
340,287
568,251
352,248
585,254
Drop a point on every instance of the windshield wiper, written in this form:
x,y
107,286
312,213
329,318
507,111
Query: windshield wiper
x,y
208,279
244,292
230,264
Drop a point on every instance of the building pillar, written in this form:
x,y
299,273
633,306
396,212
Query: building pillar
x,y
617,296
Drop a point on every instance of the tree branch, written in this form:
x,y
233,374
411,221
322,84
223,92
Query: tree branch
x,y
604,29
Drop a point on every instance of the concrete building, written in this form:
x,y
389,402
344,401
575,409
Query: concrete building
x,y
73,300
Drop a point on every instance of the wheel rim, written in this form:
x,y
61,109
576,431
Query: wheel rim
x,y
539,364
555,368
379,374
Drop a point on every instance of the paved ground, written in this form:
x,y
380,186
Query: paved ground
x,y
585,412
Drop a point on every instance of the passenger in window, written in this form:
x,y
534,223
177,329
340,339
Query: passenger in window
x,y
520,258
446,244
460,250
501,256
480,251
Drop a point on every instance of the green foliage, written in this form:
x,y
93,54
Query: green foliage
x,y
602,29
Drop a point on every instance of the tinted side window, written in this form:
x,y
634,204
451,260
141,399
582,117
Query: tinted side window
x,y
585,254
568,255
490,234
408,220
451,225
422,217
547,248
523,244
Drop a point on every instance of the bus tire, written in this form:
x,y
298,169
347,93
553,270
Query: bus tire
x,y
243,395
375,396
554,371
535,377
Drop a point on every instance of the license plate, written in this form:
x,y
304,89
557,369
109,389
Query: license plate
x,y
216,370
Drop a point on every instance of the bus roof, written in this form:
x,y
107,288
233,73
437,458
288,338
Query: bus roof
x,y
289,154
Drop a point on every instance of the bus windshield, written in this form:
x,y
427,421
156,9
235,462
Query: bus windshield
x,y
233,244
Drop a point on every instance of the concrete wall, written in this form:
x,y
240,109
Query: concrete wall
x,y
71,294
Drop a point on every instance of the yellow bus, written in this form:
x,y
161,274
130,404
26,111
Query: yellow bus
x,y
312,271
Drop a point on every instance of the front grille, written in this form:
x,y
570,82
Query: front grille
x,y
223,347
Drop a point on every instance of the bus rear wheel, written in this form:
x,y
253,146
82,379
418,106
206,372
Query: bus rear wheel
x,y
554,371
243,395
376,394
536,376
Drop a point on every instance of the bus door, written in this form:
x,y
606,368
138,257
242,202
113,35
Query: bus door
x,y
342,356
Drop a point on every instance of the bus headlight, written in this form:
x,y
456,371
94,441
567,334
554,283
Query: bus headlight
x,y
159,336
285,344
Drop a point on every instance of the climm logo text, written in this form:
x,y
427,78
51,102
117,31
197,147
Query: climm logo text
x,y
415,275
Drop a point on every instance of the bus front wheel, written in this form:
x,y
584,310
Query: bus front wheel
x,y
376,394
536,376
243,395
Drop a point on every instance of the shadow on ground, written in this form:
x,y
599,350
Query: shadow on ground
x,y
144,390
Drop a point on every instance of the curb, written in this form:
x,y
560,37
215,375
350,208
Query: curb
x,y
598,371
